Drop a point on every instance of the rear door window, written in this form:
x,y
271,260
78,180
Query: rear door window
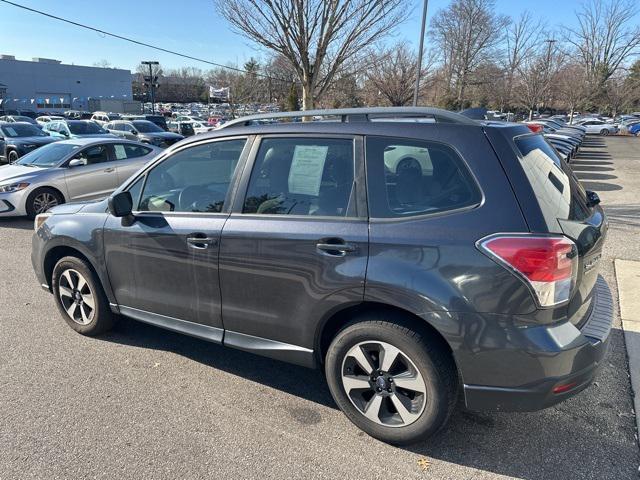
x,y
302,176
558,191
412,177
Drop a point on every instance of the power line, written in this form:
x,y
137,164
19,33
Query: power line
x,y
137,42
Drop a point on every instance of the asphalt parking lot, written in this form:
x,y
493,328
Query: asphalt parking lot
x,y
141,402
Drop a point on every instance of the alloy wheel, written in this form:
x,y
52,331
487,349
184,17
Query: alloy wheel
x,y
384,384
44,201
76,297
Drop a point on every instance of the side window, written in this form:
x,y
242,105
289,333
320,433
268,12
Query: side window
x,y
127,151
193,180
301,176
408,178
95,154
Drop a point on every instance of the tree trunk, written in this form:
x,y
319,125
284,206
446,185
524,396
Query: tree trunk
x,y
530,114
307,96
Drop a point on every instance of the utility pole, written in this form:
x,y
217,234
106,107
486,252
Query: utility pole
x,y
419,66
151,80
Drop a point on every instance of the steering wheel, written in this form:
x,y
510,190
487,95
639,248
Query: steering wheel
x,y
191,196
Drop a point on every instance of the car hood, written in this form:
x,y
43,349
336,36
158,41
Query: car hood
x,y
18,172
31,140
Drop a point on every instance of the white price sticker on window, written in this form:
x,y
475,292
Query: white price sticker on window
x,y
307,167
121,153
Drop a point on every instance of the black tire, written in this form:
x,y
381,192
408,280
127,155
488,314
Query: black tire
x,y
31,206
432,360
12,156
101,319
604,132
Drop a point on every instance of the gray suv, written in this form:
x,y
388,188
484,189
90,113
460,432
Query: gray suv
x,y
415,255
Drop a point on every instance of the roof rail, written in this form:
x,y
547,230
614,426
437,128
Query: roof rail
x,y
361,115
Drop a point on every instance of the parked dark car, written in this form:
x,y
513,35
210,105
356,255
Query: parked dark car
x,y
77,115
143,131
182,128
460,257
20,138
159,120
19,118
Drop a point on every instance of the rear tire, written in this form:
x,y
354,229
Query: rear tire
x,y
398,401
80,298
41,200
604,132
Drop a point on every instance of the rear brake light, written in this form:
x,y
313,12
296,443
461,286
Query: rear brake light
x,y
548,265
534,127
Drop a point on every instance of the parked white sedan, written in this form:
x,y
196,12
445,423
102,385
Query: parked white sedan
x,y
71,170
598,127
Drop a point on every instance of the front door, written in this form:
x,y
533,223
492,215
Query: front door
x,y
163,265
96,178
295,246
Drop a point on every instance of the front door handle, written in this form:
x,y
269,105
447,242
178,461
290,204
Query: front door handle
x,y
336,247
201,241
109,170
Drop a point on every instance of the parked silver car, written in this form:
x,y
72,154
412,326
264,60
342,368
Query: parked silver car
x,y
598,127
71,170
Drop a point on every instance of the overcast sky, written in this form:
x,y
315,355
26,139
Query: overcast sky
x,y
189,26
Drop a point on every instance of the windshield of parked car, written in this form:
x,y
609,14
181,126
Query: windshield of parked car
x,y
146,126
84,127
113,116
49,155
21,130
25,119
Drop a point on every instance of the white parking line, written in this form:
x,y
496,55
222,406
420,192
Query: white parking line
x,y
628,278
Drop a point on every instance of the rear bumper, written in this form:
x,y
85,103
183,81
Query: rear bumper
x,y
579,361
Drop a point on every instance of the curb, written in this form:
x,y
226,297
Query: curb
x,y
628,278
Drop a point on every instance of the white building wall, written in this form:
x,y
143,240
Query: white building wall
x,y
49,85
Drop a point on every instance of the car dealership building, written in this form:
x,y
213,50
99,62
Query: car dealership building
x,y
49,85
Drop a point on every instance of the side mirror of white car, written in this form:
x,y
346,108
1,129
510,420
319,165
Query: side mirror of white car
x,y
76,162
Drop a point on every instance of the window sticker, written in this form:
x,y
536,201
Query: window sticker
x,y
121,153
306,170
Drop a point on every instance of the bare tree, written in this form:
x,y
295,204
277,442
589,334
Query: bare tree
x,y
536,74
605,37
572,87
392,73
318,37
468,33
520,40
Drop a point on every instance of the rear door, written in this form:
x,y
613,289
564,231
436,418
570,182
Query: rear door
x,y
97,178
296,244
566,209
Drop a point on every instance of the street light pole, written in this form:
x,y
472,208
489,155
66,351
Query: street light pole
x,y
419,66
152,84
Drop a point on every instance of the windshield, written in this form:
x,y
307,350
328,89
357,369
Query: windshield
x,y
83,128
113,116
25,119
21,130
48,156
145,126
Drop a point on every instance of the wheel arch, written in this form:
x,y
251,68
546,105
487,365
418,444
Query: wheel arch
x,y
55,253
336,321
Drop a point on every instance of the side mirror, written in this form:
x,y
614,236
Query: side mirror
x,y
134,131
120,204
593,198
76,162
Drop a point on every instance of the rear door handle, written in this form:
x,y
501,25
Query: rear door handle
x,y
335,247
109,170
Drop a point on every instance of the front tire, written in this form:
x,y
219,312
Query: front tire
x,y
394,383
12,157
80,298
41,200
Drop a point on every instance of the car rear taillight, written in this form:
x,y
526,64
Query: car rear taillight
x,y
534,127
547,264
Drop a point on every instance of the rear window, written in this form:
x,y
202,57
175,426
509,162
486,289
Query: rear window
x,y
412,177
558,191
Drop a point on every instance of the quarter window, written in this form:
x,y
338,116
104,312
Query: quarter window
x,y
301,176
408,178
193,180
